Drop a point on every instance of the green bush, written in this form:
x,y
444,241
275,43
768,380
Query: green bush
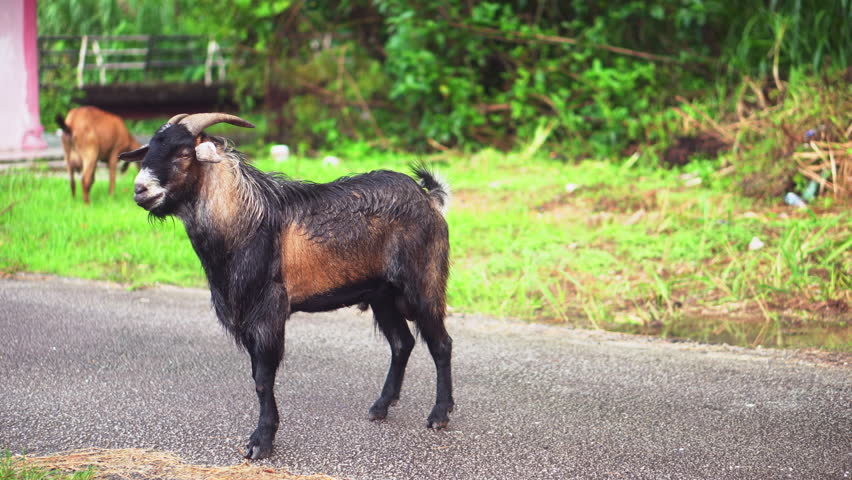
x,y
484,72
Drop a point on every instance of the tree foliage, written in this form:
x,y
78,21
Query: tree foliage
x,y
472,72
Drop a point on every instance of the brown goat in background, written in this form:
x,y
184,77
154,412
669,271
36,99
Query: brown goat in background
x,y
90,135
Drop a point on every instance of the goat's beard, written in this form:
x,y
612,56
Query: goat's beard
x,y
159,219
161,211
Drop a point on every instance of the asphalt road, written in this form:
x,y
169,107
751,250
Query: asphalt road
x,y
93,365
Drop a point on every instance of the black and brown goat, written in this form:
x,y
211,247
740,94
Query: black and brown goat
x,y
271,246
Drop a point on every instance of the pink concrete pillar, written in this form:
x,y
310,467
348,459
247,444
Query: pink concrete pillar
x,y
20,126
32,137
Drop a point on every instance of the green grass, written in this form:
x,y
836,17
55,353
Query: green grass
x,y
15,468
631,248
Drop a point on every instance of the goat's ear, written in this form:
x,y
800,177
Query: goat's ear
x,y
134,155
206,152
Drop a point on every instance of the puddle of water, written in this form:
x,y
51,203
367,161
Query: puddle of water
x,y
777,334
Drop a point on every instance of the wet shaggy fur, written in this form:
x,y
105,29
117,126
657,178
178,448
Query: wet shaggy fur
x,y
271,246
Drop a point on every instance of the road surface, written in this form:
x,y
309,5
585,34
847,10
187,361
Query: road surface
x,y
88,364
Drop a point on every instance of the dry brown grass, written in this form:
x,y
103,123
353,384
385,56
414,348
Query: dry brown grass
x,y
137,463
770,132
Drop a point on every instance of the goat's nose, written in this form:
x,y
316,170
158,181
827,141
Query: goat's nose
x,y
140,188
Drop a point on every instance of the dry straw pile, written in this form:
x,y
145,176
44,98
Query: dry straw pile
x,y
142,464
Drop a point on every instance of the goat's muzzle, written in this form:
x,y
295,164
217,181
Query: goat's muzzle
x,y
147,191
144,198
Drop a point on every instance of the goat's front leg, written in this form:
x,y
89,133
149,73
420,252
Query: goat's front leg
x,y
265,360
113,164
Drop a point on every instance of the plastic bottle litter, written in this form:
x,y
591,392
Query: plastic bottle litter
x,y
794,200
280,153
810,191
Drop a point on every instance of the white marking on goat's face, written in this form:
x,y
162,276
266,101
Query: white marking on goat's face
x,y
148,193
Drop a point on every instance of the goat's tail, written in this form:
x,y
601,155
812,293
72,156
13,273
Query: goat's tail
x,y
61,121
437,187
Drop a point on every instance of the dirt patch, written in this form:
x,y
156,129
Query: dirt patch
x,y
476,200
627,202
821,357
554,203
768,185
614,202
142,464
704,144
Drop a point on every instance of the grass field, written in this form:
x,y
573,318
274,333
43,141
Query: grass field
x,y
594,244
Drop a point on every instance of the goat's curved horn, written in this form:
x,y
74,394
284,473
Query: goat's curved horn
x,y
177,118
198,122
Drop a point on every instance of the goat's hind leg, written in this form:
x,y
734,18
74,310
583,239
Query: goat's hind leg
x,y
112,162
441,347
71,178
392,323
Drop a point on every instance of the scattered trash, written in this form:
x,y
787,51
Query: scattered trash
x,y
631,161
570,187
755,244
794,200
690,179
811,190
280,153
331,160
635,217
815,134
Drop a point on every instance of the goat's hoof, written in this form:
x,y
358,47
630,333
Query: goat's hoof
x,y
256,452
440,417
378,414
437,424
260,445
379,410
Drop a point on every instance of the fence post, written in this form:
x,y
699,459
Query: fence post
x,y
220,62
208,62
99,61
150,45
81,63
